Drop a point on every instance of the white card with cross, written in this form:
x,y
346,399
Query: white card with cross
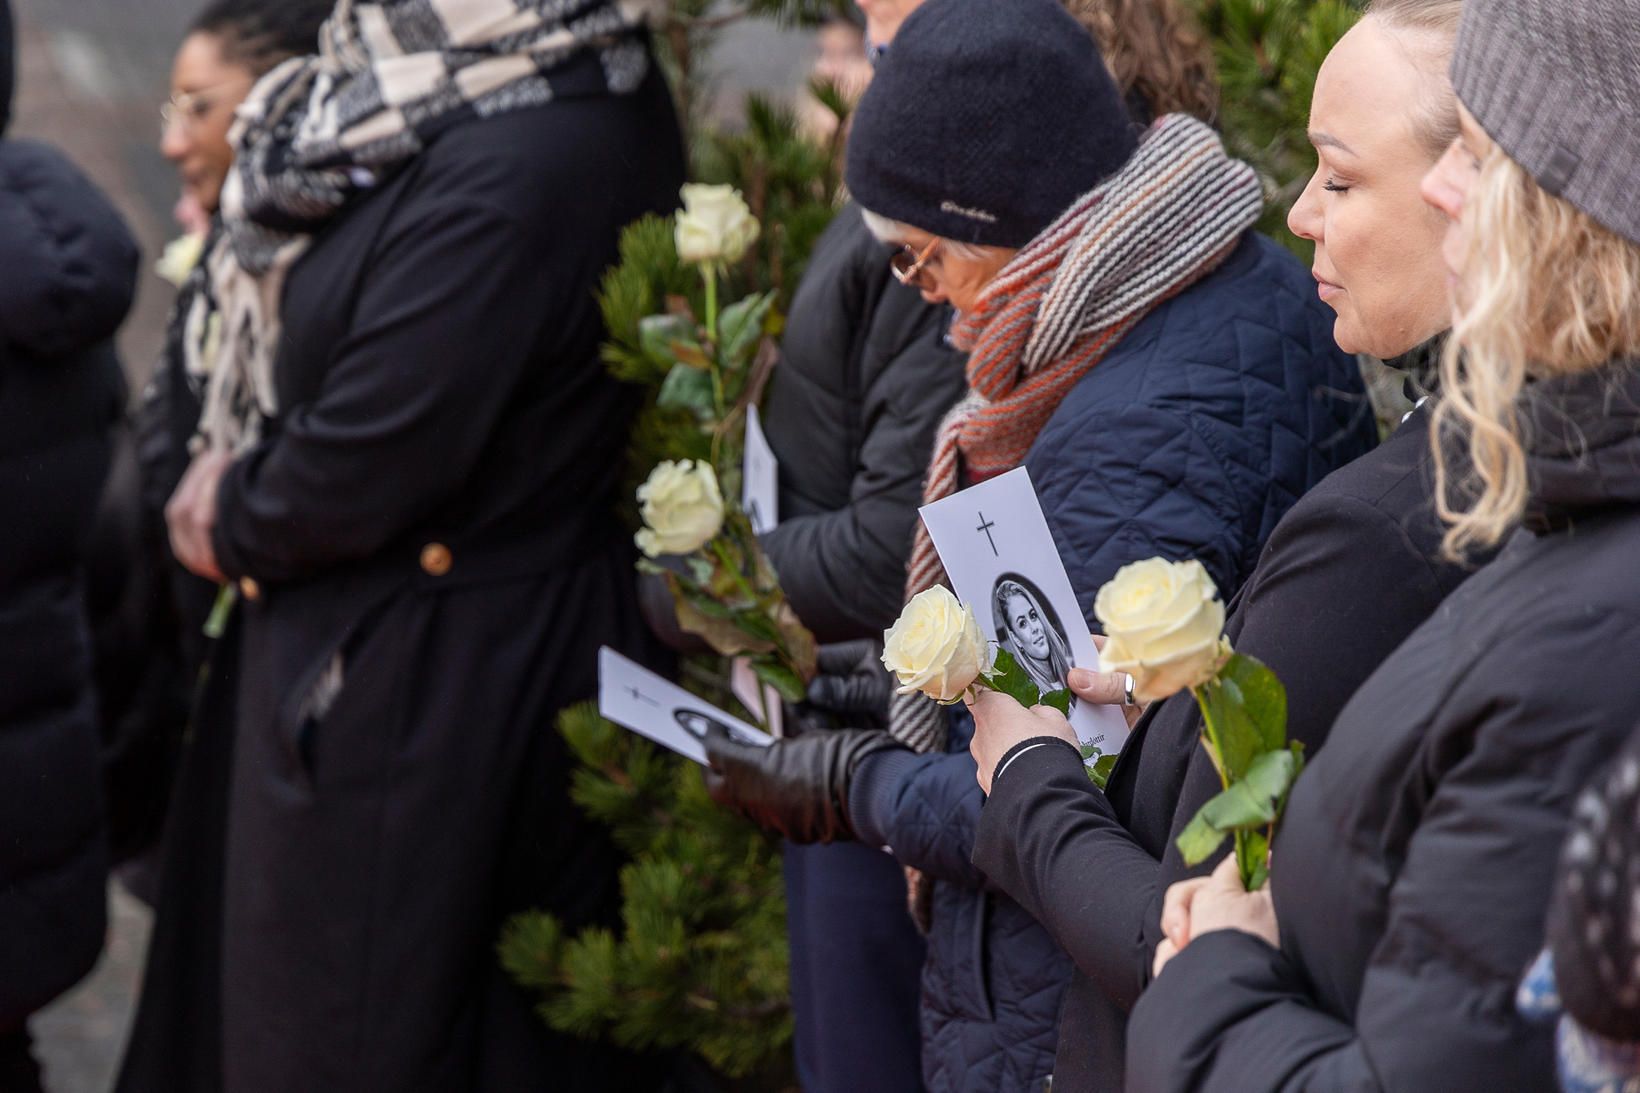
x,y
996,547
634,697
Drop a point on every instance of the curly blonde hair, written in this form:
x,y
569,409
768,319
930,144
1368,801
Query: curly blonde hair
x,y
1546,291
1154,48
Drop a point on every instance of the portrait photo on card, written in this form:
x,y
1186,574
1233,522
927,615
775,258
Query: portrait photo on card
x,y
696,724
1000,556
1028,627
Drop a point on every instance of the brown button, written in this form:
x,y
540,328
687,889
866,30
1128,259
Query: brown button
x,y
249,589
436,559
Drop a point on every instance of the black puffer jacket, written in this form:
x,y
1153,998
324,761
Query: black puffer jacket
x,y
70,272
1412,869
854,443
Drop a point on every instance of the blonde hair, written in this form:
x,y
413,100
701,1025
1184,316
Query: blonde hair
x,y
1154,48
1437,20
1545,291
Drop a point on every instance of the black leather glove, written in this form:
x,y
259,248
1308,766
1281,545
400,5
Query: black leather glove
x,y
797,786
853,685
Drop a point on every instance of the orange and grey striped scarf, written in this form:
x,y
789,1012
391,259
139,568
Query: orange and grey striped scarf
x,y
1171,214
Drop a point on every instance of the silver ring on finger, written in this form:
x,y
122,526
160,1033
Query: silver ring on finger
x,y
1127,690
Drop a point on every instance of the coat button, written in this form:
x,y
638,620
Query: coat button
x,y
249,589
436,559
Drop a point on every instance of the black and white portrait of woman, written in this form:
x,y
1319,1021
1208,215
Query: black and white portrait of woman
x,y
1029,629
696,724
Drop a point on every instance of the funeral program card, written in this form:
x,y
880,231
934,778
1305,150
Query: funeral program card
x,y
1000,556
760,500
759,477
631,695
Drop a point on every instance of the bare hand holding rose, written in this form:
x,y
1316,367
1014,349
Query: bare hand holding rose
x,y
190,515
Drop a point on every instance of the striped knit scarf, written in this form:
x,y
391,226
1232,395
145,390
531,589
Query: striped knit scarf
x,y
317,131
1171,214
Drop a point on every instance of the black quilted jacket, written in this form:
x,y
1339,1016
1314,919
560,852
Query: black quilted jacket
x,y
1190,440
865,376
70,273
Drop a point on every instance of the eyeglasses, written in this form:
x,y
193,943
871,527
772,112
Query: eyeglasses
x,y
907,265
190,108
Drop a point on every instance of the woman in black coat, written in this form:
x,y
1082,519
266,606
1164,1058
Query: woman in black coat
x,y
148,613
1347,575
71,273
1409,877
408,482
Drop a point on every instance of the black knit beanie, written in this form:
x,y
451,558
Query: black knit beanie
x,y
985,121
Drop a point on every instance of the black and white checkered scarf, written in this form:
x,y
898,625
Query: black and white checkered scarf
x,y
316,131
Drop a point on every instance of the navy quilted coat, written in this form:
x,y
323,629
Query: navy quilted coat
x,y
1191,439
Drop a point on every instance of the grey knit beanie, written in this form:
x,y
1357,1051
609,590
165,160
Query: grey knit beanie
x,y
1557,84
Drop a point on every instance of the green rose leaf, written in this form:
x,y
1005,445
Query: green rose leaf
x,y
1059,700
1098,770
759,625
687,388
781,678
698,615
740,327
1252,802
801,648
665,339
1009,678
1247,706
704,603
1262,697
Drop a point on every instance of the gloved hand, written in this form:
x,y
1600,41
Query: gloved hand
x,y
853,685
797,786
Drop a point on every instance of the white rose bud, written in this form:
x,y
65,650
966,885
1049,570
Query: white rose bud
x,y
715,226
1164,626
936,646
179,258
681,506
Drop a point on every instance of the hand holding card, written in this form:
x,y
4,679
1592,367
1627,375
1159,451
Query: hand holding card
x,y
995,545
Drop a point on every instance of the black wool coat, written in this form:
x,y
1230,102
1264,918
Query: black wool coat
x,y
429,557
1412,869
1349,572
70,275
865,376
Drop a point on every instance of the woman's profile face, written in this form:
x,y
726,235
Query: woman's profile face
x,y
949,278
205,90
1030,633
1377,244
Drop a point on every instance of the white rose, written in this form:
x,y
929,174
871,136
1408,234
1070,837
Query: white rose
x,y
715,225
681,506
936,646
179,258
1164,626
